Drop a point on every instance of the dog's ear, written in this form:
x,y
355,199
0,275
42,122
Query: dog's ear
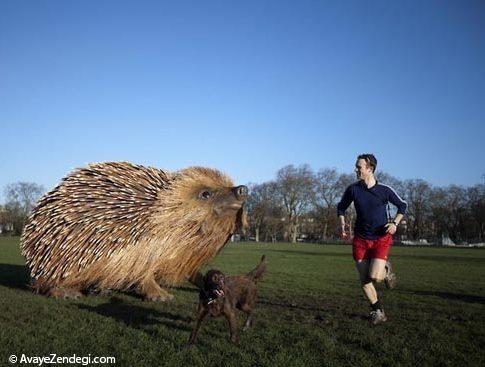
x,y
208,278
197,279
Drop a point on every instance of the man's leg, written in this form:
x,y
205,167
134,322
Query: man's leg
x,y
381,251
367,286
391,278
361,249
377,270
377,273
369,271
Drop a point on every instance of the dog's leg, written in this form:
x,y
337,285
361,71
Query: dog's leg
x,y
231,319
247,309
249,322
201,314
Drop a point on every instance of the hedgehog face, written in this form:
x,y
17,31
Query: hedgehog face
x,y
220,202
223,202
208,197
210,191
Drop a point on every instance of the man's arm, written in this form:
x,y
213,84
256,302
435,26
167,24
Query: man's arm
x,y
343,227
347,199
398,202
401,205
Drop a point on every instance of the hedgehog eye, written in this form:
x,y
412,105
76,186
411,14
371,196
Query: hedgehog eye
x,y
204,195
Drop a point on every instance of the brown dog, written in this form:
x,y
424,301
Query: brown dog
x,y
220,295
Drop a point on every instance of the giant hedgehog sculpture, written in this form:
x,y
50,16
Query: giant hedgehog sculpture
x,y
118,226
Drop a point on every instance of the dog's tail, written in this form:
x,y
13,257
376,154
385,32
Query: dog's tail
x,y
258,271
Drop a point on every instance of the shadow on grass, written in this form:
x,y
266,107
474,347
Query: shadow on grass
x,y
138,317
187,289
326,314
447,295
14,276
293,305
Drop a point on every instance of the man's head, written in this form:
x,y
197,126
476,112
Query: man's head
x,y
365,166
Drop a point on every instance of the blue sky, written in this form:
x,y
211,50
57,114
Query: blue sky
x,y
247,87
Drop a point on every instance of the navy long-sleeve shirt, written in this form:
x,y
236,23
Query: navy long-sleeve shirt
x,y
370,205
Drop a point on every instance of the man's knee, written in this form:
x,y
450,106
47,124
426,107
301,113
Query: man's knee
x,y
376,278
372,278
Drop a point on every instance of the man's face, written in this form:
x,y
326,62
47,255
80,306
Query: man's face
x,y
362,169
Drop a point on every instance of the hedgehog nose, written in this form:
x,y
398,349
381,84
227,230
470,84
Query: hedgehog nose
x,y
241,192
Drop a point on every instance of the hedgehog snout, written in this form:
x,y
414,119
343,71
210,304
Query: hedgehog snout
x,y
241,192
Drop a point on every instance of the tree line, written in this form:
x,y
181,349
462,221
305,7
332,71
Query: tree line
x,y
299,204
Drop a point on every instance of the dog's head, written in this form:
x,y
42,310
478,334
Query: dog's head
x,y
214,283
214,279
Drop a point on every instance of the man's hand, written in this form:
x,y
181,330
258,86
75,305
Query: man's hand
x,y
344,234
391,228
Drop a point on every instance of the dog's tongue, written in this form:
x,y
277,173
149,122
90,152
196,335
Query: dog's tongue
x,y
219,293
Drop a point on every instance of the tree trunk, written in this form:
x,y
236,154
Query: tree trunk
x,y
325,228
294,233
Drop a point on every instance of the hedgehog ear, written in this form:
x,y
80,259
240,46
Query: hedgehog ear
x,y
176,176
242,220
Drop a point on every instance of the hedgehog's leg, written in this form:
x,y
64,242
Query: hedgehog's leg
x,y
151,291
41,286
64,292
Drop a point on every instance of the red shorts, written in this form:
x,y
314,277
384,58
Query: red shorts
x,y
371,249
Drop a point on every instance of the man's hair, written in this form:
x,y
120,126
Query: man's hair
x,y
370,160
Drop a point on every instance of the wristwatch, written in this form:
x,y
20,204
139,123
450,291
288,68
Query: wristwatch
x,y
394,222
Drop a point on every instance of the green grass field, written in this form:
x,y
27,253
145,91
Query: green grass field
x,y
310,312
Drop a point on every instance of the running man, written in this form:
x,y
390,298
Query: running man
x,y
373,230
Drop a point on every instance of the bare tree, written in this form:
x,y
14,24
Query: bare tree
x,y
390,180
344,181
476,205
262,205
327,195
295,187
417,194
448,208
21,198
274,226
